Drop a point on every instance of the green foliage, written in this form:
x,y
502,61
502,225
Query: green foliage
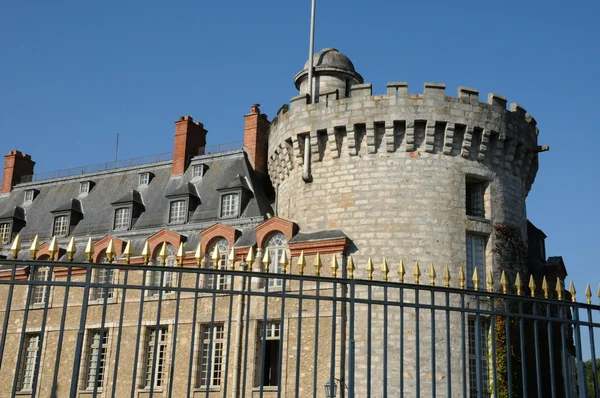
x,y
511,251
589,376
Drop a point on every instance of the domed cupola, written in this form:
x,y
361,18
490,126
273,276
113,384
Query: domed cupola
x,y
332,70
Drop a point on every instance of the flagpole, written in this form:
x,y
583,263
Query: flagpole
x,y
311,50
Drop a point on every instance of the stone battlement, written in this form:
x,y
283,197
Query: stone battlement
x,y
431,122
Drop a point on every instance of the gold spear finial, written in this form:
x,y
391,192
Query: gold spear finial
x,y
475,279
110,251
250,258
89,250
318,264
301,263
369,269
146,253
232,258
559,288
53,248
71,249
180,254
266,260
401,272
216,257
588,293
163,254
461,277
350,267
490,281
127,252
198,255
447,276
385,270
432,275
532,285
518,283
284,263
35,247
334,266
416,272
545,287
15,248
503,282
572,291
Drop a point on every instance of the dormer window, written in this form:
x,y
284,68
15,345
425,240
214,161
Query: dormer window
x,y
29,195
85,187
230,204
5,232
144,178
177,212
127,210
198,171
122,218
61,226
66,217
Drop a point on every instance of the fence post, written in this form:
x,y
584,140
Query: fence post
x,y
352,342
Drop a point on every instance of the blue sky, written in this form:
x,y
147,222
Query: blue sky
x,y
74,73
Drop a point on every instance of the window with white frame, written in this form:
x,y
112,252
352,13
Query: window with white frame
x,y
267,364
29,194
84,187
144,178
198,171
218,281
29,357
167,276
96,359
122,217
156,345
276,245
475,258
478,357
210,366
38,292
474,198
61,226
103,276
177,212
5,232
229,205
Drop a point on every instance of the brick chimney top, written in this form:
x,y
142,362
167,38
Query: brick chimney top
x,y
16,165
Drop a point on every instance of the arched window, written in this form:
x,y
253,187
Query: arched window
x,y
276,245
155,276
104,276
219,282
38,294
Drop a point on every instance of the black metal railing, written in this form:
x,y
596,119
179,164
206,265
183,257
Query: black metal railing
x,y
83,329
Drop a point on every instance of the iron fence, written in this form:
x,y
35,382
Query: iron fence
x,y
116,330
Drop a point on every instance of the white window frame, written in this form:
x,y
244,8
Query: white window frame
x,y
218,281
178,211
161,357
198,171
29,195
28,361
475,258
476,200
94,350
276,245
230,203
167,279
214,371
5,232
122,222
61,229
273,332
84,187
474,360
144,179
39,292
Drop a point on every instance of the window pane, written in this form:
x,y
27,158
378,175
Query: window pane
x,y
475,258
167,276
229,205
220,282
144,178
61,226
28,361
270,359
122,218
478,358
96,359
161,352
211,356
38,294
198,171
177,212
276,244
5,232
474,199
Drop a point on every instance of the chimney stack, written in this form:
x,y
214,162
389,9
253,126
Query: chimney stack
x,y
16,165
190,141
256,137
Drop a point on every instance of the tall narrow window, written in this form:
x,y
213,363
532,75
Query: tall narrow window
x,y
474,199
61,226
103,276
268,364
229,205
5,232
177,212
475,257
144,178
210,373
167,276
156,341
478,357
84,187
28,361
276,245
219,281
96,363
38,294
198,171
29,194
122,217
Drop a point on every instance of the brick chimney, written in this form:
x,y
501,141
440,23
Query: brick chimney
x,y
256,137
190,141
16,165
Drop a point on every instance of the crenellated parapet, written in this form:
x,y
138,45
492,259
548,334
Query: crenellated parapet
x,y
431,122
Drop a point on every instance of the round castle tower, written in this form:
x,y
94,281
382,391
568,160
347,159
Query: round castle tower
x,y
405,176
